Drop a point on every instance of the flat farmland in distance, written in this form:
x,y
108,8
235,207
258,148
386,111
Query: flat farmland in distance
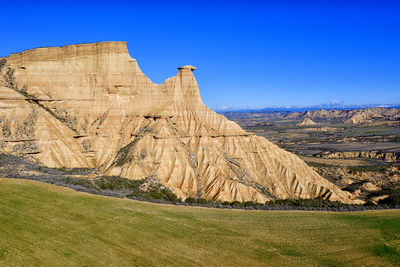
x,y
361,158
344,162
46,225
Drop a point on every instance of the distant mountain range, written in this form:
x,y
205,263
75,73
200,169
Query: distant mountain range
x,y
308,117
336,105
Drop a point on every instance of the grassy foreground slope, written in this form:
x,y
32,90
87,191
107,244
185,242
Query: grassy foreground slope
x,y
42,224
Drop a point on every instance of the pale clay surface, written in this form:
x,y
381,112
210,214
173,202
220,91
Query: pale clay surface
x,y
89,105
306,122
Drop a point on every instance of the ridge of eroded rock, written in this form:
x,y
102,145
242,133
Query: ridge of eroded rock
x,y
90,106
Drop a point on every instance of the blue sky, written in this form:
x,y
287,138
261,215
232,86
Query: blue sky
x,y
248,53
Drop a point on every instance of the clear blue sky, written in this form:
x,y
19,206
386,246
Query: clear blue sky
x,y
248,53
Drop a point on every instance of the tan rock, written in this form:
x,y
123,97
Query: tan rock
x,y
376,200
306,122
361,117
346,180
388,156
356,194
89,105
371,114
370,187
321,129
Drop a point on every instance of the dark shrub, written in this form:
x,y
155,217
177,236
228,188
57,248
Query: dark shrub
x,y
203,201
190,200
249,204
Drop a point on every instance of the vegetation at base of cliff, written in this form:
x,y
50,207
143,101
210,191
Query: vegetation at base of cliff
x,y
353,187
150,189
318,164
390,190
79,182
382,168
116,183
318,203
161,194
121,187
73,171
78,179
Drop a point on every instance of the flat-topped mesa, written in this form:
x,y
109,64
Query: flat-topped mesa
x,y
90,105
69,51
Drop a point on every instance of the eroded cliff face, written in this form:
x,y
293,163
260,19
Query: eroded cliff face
x,y
89,105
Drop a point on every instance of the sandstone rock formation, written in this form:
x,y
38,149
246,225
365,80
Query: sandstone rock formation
x,y
322,129
376,200
306,122
359,118
388,156
370,187
90,106
359,115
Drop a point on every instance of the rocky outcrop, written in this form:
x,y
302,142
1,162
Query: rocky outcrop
x,y
306,122
322,129
371,183
90,106
370,187
388,156
350,115
359,118
376,200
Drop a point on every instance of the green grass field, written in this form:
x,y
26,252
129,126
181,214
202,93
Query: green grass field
x,y
46,225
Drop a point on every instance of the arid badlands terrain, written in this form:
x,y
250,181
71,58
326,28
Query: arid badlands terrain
x,y
356,149
90,110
